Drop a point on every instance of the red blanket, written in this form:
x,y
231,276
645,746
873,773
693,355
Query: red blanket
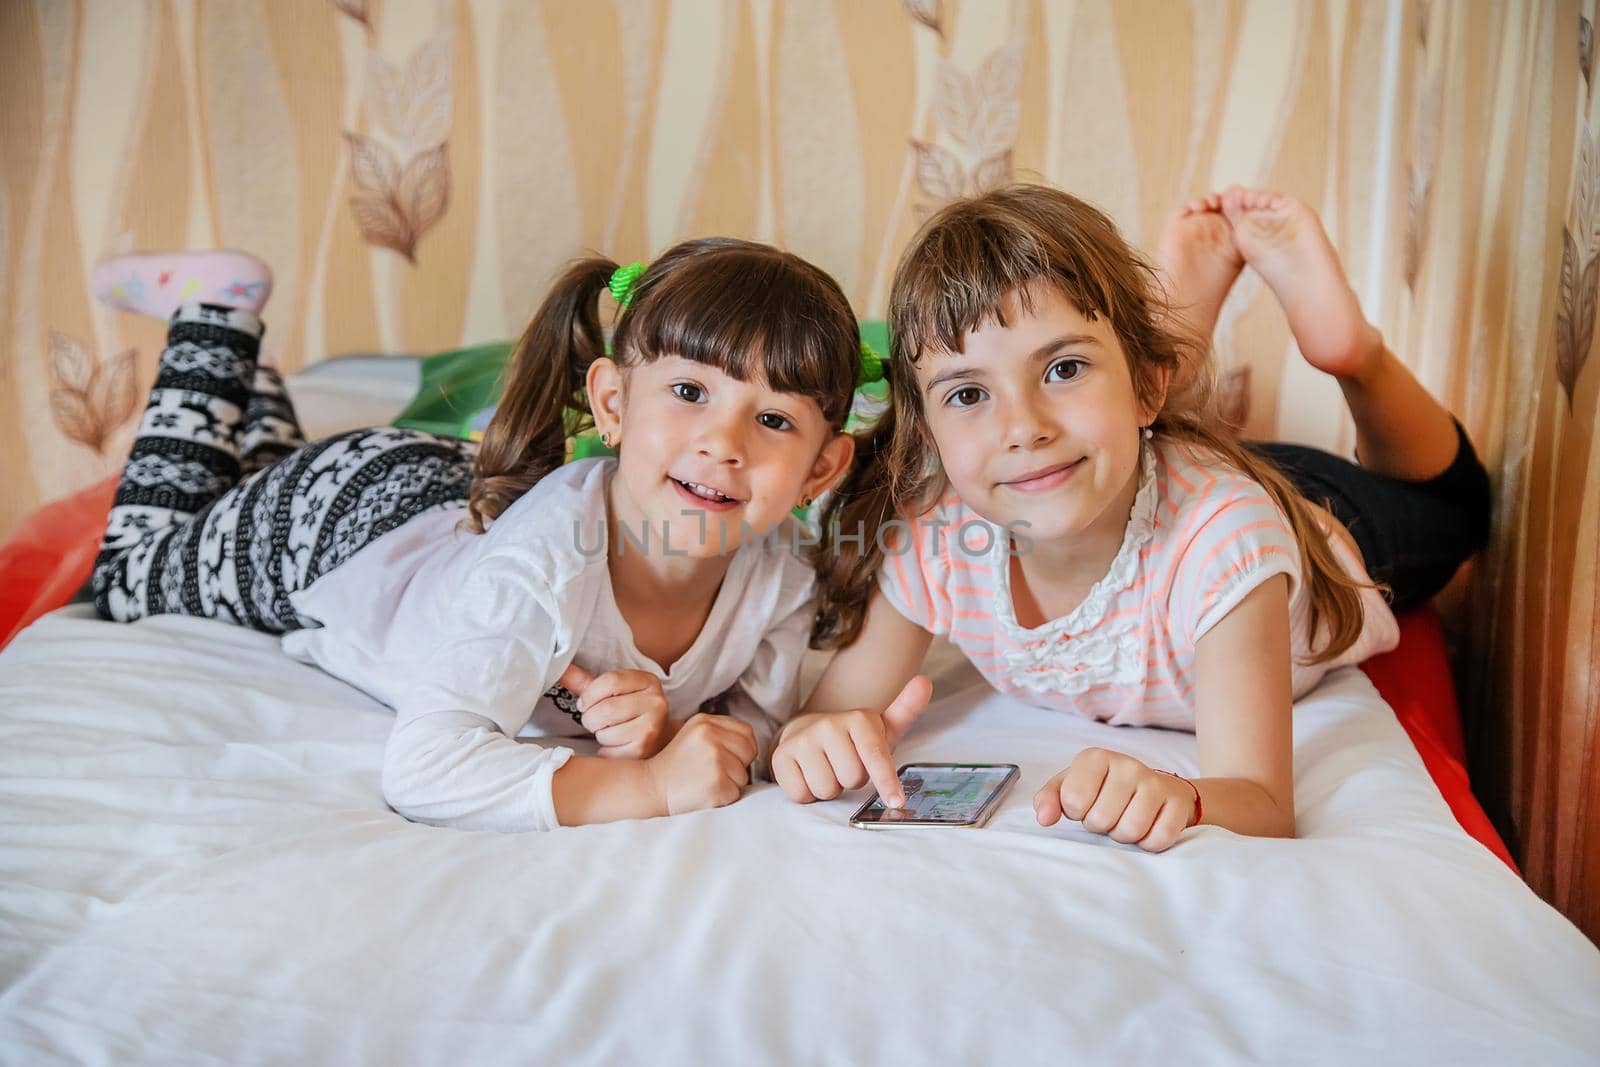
x,y
50,555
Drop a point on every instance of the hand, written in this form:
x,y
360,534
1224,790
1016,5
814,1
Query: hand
x,y
822,754
625,710
705,765
1115,794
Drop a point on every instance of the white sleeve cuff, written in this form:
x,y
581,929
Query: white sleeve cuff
x,y
543,786
456,769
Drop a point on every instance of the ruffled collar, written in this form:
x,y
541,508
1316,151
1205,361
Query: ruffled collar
x,y
1119,576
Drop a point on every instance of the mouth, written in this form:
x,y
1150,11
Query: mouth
x,y
1044,478
704,496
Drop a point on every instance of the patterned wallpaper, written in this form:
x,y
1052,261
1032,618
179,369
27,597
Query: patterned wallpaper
x,y
415,170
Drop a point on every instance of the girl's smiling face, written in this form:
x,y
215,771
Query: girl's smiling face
x,y
696,442
1037,422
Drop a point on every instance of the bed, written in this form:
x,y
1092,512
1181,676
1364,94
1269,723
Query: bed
x,y
47,559
197,866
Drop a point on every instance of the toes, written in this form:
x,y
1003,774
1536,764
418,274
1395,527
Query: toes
x,y
1244,199
1209,204
1264,200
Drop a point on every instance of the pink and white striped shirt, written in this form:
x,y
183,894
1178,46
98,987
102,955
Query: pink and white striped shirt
x,y
1201,536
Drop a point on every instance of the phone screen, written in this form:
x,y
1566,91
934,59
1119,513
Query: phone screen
x,y
940,794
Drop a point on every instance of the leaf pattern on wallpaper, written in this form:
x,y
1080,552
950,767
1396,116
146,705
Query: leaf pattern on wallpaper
x,y
992,171
1586,49
397,206
956,103
1424,140
1582,203
1580,269
928,12
980,113
939,172
1586,197
90,399
999,87
1233,397
355,9
1575,314
399,201
1419,179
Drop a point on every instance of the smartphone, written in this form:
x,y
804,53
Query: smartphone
x,y
940,794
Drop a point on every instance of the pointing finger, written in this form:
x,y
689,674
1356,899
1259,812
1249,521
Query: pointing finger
x,y
907,707
873,748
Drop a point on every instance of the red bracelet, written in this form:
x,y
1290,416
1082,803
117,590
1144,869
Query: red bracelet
x,y
1197,808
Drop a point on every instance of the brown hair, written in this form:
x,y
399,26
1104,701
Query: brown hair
x,y
956,274
750,310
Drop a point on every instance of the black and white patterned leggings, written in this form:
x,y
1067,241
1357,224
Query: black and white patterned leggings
x,y
224,510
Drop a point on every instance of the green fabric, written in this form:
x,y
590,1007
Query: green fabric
x,y
876,333
455,387
460,389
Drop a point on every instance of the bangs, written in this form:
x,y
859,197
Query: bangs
x,y
755,314
972,256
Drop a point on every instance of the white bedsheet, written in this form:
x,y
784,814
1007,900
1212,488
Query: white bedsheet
x,y
196,866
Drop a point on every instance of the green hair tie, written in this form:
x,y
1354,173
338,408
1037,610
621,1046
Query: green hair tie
x,y
622,281
871,366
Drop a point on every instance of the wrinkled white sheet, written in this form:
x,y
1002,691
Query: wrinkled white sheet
x,y
196,866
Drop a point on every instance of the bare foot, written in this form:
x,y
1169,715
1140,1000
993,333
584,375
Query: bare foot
x,y
1401,430
157,283
1284,241
1200,260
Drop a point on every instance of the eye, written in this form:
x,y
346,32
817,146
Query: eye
x,y
688,392
1067,369
965,397
773,421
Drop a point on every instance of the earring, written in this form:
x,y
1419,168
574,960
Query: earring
x,y
805,502
605,439
1148,433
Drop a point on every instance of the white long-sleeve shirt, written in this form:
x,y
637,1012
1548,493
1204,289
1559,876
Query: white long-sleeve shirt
x,y
465,635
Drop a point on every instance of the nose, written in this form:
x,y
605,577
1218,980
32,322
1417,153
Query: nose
x,y
721,441
1027,425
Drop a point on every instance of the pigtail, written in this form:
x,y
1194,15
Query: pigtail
x,y
527,438
894,474
845,574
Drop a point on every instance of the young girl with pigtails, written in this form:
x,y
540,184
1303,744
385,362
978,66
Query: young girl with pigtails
x,y
1074,515
489,591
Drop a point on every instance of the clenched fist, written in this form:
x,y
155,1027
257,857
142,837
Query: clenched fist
x,y
625,710
1117,795
706,764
